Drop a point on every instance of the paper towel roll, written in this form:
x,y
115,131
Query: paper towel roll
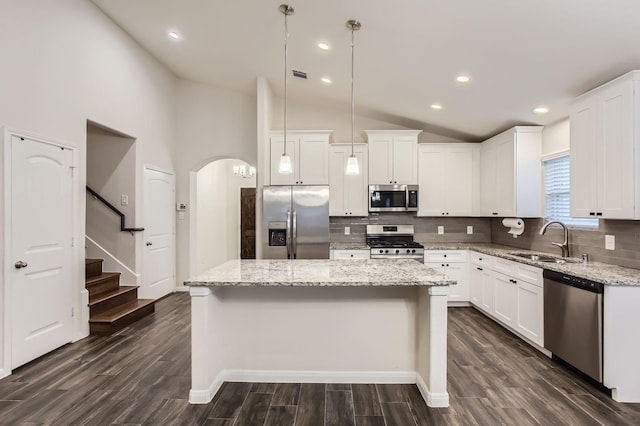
x,y
515,225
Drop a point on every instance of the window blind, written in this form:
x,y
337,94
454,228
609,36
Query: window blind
x,y
557,195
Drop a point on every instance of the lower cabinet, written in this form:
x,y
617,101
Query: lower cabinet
x,y
511,293
349,254
454,264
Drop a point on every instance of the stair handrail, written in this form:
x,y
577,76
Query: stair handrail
x,y
115,210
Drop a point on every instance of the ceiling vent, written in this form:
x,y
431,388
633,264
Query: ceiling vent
x,y
299,74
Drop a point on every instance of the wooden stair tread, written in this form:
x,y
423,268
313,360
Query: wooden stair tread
x,y
99,278
101,297
119,312
88,261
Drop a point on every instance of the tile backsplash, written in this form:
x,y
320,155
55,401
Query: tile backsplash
x,y
426,228
491,230
591,242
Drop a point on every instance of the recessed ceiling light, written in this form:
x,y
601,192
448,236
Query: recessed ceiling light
x,y
436,106
324,46
541,110
325,80
463,79
174,35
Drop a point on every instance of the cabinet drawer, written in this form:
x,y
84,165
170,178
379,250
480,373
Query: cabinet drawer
x,y
528,273
507,267
445,256
350,254
482,259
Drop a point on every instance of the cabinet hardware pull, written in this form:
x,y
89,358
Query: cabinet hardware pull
x,y
599,214
592,213
479,269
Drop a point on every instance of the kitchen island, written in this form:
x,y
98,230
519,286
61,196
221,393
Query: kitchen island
x,y
327,321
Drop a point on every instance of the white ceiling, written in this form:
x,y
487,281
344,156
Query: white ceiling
x,y
519,53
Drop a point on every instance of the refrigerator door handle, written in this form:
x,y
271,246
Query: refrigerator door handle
x,y
295,233
288,235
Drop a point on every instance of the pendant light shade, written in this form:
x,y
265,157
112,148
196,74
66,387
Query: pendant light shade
x,y
352,163
285,165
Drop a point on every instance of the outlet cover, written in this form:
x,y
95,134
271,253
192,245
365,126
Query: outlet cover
x,y
610,242
440,230
470,230
124,200
347,230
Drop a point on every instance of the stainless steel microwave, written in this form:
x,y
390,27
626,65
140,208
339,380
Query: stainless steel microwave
x,y
393,198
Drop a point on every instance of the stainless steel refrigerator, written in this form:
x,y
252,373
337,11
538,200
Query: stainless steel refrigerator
x,y
295,222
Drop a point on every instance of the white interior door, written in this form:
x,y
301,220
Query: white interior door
x,y
159,195
41,248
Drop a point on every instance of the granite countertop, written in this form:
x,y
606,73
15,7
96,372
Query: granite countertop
x,y
320,273
349,246
604,273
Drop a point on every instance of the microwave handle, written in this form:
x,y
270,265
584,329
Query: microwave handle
x,y
406,196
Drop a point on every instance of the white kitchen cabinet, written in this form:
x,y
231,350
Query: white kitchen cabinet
x,y
393,156
454,264
506,296
511,173
349,254
480,273
605,146
309,151
530,308
445,179
348,193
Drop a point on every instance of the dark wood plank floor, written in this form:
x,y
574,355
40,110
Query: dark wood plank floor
x,y
141,375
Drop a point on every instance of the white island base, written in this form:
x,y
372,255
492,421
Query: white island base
x,y
320,335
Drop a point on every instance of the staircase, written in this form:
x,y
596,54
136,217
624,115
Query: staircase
x,y
112,306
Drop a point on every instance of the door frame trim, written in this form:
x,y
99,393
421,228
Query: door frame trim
x,y
6,180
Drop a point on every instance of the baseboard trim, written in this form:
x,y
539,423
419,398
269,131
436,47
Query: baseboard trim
x,y
291,376
434,400
4,374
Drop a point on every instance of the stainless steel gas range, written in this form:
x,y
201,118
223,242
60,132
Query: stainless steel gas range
x,y
393,242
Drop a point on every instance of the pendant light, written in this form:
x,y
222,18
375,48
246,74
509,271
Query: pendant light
x,y
352,162
285,165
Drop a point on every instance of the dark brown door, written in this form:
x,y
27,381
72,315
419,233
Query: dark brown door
x,y
247,223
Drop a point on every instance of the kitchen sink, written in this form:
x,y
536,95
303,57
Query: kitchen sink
x,y
543,258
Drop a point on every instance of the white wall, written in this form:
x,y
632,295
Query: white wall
x,y
313,117
212,123
111,171
65,63
555,138
218,213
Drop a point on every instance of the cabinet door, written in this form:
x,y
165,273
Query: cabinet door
x,y
506,296
277,148
488,292
460,273
431,180
356,191
405,160
615,155
505,202
582,123
488,180
476,277
313,156
337,180
458,184
350,254
530,320
380,160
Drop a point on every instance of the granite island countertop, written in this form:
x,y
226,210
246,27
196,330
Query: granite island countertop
x,y
320,273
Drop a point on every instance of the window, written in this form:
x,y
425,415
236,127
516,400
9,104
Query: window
x,y
556,194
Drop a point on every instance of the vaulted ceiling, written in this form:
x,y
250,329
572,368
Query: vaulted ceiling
x,y
519,54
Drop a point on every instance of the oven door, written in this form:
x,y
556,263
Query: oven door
x,y
388,198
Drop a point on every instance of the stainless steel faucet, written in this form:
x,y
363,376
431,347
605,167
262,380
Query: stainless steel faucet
x,y
564,246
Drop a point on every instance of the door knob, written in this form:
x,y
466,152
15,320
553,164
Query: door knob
x,y
20,264
149,244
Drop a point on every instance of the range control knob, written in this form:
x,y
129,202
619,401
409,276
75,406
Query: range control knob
x,y
381,251
397,251
386,251
413,251
409,251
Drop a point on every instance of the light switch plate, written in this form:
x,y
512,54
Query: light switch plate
x,y
470,230
440,230
347,230
124,200
610,242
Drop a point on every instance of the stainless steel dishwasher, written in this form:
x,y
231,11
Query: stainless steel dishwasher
x,y
573,321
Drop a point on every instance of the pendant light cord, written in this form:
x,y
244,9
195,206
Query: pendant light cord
x,y
286,37
353,105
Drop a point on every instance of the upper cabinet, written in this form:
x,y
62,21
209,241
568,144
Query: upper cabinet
x,y
511,173
309,151
446,178
393,156
348,193
604,150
